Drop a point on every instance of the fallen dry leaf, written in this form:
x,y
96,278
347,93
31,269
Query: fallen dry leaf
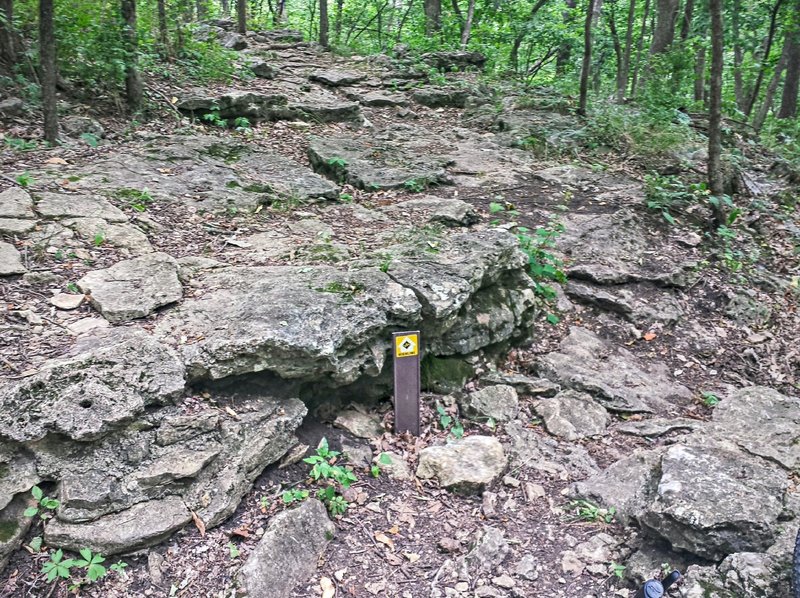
x,y
412,557
649,336
55,161
201,526
384,539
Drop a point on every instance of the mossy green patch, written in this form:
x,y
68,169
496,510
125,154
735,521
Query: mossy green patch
x,y
229,153
445,374
8,530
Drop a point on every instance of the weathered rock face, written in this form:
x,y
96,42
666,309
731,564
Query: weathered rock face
x,y
706,496
616,248
640,303
385,160
287,554
133,288
447,61
613,376
117,400
10,260
499,403
337,78
466,465
16,203
107,381
60,205
441,98
315,322
572,415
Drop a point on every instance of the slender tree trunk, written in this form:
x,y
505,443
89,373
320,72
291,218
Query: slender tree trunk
x,y
612,27
47,67
8,45
202,9
640,47
664,34
738,57
337,28
716,182
163,32
467,31
772,87
226,8
700,74
622,76
241,16
323,24
565,48
587,58
133,81
433,16
762,69
792,81
686,21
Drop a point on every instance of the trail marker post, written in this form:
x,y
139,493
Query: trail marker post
x,y
406,350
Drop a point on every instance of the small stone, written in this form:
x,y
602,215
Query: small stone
x,y
573,415
462,586
534,492
360,425
465,465
261,69
526,568
358,455
511,481
489,505
16,203
13,226
448,545
155,562
570,563
67,301
11,107
504,581
396,469
10,260
336,78
489,551
499,402
85,325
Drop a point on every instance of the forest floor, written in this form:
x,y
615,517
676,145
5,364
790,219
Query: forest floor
x,y
737,326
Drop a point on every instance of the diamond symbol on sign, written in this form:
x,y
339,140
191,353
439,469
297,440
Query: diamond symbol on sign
x,y
407,345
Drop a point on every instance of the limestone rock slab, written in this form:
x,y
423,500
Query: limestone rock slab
x,y
61,205
288,552
16,203
466,465
14,226
612,375
337,78
499,403
133,288
573,415
142,525
10,260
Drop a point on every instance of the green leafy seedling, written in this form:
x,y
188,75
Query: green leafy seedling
x,y
233,550
91,562
294,495
44,505
57,566
710,399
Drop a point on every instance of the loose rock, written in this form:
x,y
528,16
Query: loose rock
x,y
466,465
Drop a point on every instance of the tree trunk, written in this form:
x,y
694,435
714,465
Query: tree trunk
x,y
279,13
433,16
664,34
686,22
700,74
622,75
715,176
226,8
640,47
241,16
467,31
772,88
202,9
163,32
762,69
612,28
47,67
337,28
738,58
133,81
8,46
792,81
587,58
323,24
565,48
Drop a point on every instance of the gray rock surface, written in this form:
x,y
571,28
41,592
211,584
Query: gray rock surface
x,y
642,304
288,552
433,97
448,60
133,288
360,425
60,205
384,160
99,232
573,415
499,403
9,108
466,465
10,260
487,551
16,203
263,69
449,212
524,385
14,226
140,526
532,449
233,41
612,375
714,502
337,78
95,388
617,248
14,527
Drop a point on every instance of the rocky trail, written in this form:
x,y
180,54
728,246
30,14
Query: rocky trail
x,y
190,309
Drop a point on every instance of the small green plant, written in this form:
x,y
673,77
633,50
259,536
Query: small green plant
x,y
213,118
294,495
448,422
92,563
73,288
709,399
588,511
337,505
345,198
119,567
233,550
323,466
21,145
347,290
337,162
386,263
616,569
264,503
416,185
543,265
138,199
44,505
383,459
241,123
90,139
57,566
731,258
25,179
99,239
